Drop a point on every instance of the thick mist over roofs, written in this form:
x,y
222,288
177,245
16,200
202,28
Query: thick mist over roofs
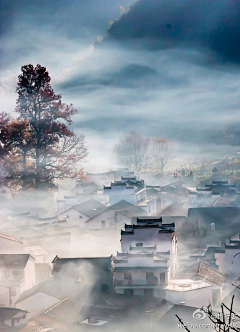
x,y
119,165
164,68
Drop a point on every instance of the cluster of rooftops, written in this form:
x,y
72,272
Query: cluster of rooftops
x,y
128,182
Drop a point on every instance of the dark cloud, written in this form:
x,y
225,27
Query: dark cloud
x,y
179,79
129,76
213,25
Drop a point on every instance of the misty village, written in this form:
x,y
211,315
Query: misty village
x,y
119,165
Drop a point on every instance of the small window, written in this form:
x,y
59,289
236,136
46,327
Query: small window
x,y
139,244
162,277
127,276
67,216
80,217
239,236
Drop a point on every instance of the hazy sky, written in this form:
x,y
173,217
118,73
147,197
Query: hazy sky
x,y
177,77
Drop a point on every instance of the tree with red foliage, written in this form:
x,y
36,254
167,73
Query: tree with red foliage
x,y
39,142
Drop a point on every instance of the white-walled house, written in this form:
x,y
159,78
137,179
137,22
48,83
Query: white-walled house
x,y
80,213
226,257
118,191
148,232
133,191
12,318
115,216
17,274
193,293
10,244
143,271
196,284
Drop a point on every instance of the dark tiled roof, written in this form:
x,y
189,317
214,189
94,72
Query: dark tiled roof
x,y
147,225
141,268
9,313
221,216
169,225
123,178
89,208
166,231
147,219
143,248
122,207
220,182
232,246
16,261
219,250
100,261
118,183
126,208
163,252
131,232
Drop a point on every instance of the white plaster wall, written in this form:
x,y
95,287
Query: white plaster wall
x,y
4,297
19,291
96,222
118,193
231,263
21,321
74,218
77,190
193,298
30,274
221,262
122,220
141,261
149,237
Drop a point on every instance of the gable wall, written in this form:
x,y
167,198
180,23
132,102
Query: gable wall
x,y
74,218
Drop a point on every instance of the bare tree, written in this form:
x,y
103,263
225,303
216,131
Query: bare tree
x,y
161,152
221,322
199,231
132,150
